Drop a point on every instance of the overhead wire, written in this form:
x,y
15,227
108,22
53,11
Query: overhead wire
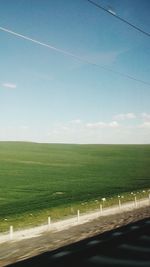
x,y
118,17
38,42
72,55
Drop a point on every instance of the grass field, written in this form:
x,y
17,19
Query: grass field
x,y
38,178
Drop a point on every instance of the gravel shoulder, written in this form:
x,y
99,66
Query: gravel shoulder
x,y
14,251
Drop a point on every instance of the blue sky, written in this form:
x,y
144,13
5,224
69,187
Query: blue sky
x,y
49,96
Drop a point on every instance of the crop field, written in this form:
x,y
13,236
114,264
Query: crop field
x,y
41,177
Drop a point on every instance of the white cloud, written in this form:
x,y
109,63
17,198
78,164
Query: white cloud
x,y
100,132
9,85
76,121
75,131
65,128
145,125
145,116
126,116
96,125
105,57
24,127
100,125
114,124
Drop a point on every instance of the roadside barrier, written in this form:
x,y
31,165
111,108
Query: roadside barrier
x,y
80,218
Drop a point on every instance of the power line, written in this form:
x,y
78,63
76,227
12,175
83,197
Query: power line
x,y
38,42
118,17
72,55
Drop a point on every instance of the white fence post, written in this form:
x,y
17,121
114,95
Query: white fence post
x,y
135,201
11,232
101,208
49,222
78,216
119,204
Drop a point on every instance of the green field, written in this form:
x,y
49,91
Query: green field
x,y
42,177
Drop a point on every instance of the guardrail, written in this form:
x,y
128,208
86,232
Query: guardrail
x,y
80,218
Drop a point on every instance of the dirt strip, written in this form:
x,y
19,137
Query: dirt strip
x,y
14,251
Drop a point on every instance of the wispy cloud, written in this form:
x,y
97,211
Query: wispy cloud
x,y
100,125
105,57
76,121
9,85
145,116
113,131
145,125
96,125
113,124
126,116
24,127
